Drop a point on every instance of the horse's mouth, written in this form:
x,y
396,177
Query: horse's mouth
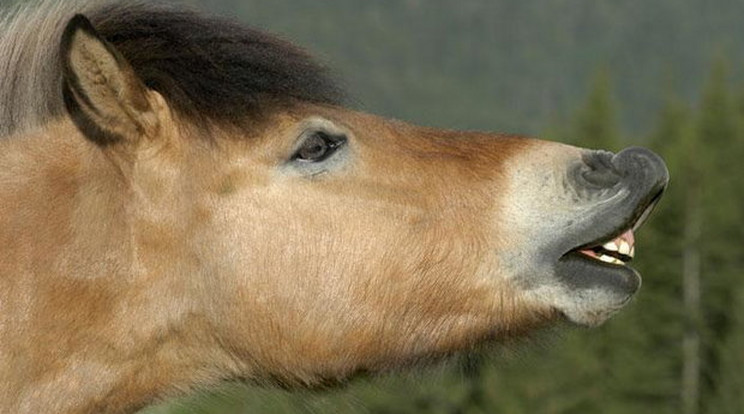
x,y
618,251
589,262
602,264
618,248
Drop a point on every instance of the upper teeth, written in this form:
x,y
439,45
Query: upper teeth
x,y
611,246
623,248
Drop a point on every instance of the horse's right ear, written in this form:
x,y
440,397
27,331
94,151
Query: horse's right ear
x,y
103,95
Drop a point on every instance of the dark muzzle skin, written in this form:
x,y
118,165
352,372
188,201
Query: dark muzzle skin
x,y
629,182
625,187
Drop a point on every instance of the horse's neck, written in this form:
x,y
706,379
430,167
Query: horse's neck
x,y
73,328
56,213
46,286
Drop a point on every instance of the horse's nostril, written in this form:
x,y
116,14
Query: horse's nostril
x,y
599,170
640,161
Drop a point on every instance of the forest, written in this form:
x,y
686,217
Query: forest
x,y
665,74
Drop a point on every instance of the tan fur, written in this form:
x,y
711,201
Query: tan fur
x,y
179,256
108,80
114,289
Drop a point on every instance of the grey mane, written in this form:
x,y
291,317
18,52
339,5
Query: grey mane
x,y
29,63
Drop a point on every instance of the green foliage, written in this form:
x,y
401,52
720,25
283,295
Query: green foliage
x,y
728,397
596,123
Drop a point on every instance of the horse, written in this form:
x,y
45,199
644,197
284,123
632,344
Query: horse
x,y
186,200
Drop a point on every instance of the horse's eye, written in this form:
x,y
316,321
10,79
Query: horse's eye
x,y
318,146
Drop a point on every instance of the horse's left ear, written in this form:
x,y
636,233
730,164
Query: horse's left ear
x,y
103,95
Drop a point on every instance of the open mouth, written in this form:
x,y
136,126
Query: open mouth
x,y
593,268
618,250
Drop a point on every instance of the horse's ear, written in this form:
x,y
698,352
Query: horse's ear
x,y
103,95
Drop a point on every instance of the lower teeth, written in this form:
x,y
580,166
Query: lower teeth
x,y
609,259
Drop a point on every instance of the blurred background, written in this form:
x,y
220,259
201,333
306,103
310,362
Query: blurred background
x,y
667,74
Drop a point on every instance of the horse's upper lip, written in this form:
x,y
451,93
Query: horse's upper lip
x,y
643,177
639,216
617,248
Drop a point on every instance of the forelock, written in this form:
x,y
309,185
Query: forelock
x,y
212,69
209,69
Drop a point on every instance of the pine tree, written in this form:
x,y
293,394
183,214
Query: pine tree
x,y
724,129
728,397
596,122
713,246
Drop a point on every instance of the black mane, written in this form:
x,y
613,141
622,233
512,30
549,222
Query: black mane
x,y
211,69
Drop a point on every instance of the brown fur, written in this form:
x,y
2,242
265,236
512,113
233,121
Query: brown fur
x,y
174,256
114,275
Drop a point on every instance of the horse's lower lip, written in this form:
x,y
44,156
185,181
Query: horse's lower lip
x,y
580,271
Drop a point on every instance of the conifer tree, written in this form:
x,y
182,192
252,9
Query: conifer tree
x,y
596,122
728,397
722,129
712,250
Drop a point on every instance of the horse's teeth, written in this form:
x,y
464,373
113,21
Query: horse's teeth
x,y
611,246
632,252
607,259
625,248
